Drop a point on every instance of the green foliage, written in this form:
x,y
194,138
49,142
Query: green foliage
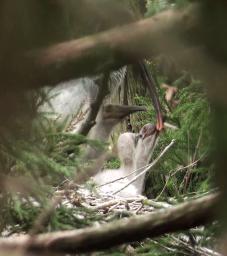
x,y
44,153
156,6
113,163
22,213
36,158
174,244
193,143
72,218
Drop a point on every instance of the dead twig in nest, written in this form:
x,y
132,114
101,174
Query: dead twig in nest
x,y
148,168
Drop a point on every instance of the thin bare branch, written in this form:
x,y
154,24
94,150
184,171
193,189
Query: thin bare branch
x,y
148,168
171,126
174,172
187,177
125,176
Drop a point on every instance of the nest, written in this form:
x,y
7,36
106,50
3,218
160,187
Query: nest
x,y
105,205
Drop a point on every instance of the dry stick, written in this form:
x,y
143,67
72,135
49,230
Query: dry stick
x,y
134,171
164,246
95,106
198,144
148,168
114,207
126,176
188,137
157,205
116,201
185,246
139,209
172,173
171,126
200,250
184,216
188,173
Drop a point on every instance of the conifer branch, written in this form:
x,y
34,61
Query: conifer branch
x,y
183,216
91,55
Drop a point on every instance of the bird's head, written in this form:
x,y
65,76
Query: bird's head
x,y
148,136
113,114
148,130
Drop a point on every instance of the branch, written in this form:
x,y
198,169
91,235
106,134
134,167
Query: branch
x,y
93,54
174,172
184,216
125,176
171,126
95,106
148,168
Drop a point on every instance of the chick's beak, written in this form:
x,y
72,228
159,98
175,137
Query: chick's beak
x,y
148,130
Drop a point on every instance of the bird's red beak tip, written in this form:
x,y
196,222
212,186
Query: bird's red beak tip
x,y
159,126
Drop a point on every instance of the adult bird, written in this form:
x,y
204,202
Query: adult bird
x,y
108,117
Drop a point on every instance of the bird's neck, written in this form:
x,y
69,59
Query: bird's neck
x,y
101,131
127,169
142,158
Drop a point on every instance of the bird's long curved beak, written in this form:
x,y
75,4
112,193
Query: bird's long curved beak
x,y
160,123
150,84
120,111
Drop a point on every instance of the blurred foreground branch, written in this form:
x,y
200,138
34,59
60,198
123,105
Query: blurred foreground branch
x,y
93,54
95,106
184,35
184,216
